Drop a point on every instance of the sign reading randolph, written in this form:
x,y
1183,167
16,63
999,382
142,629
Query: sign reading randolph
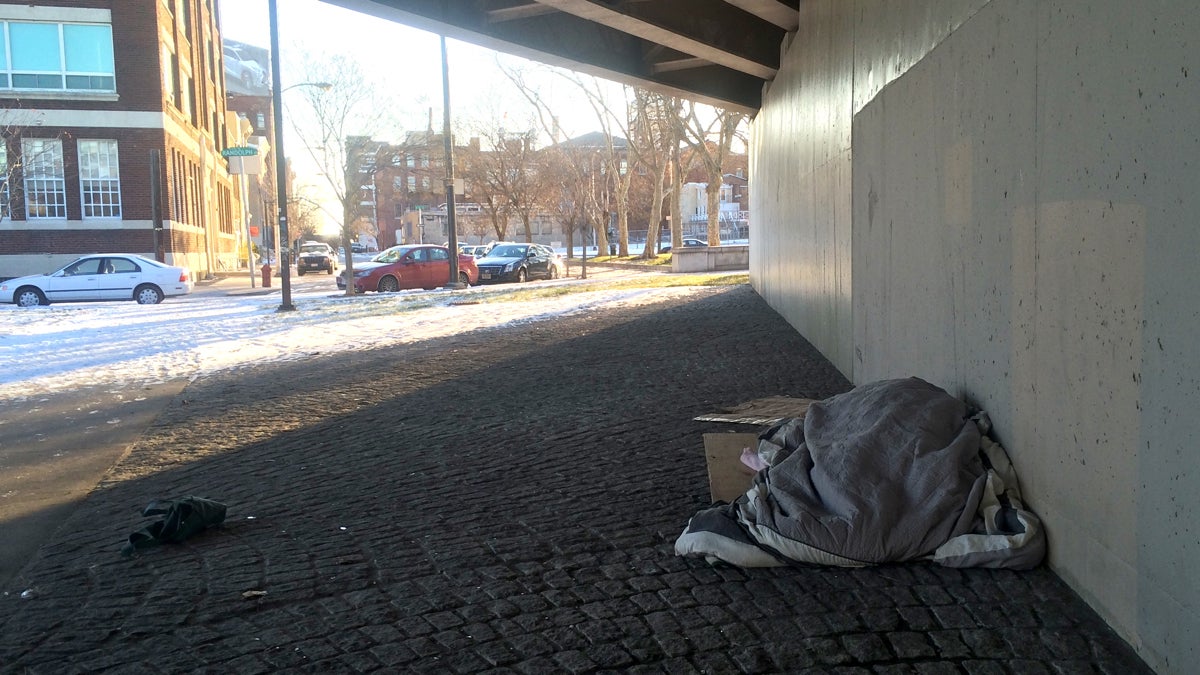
x,y
240,151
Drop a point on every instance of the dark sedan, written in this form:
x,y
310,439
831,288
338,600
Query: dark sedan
x,y
517,262
688,242
410,266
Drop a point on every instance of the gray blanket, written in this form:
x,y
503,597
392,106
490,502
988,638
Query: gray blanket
x,y
891,471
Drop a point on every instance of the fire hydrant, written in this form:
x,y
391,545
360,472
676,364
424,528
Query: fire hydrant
x,y
266,275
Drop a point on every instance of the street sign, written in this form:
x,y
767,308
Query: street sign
x,y
240,151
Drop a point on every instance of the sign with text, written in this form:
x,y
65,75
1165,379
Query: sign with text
x,y
240,151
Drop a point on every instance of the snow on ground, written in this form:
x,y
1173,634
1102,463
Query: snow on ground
x,y
63,346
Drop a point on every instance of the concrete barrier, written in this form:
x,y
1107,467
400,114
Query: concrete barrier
x,y
711,258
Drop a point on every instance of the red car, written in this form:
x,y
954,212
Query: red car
x,y
410,266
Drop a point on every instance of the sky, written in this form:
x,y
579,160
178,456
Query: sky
x,y
405,60
402,61
55,348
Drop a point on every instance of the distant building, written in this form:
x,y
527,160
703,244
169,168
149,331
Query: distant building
x,y
402,190
89,91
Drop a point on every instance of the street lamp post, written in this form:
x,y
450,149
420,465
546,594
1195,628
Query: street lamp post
x,y
285,277
283,244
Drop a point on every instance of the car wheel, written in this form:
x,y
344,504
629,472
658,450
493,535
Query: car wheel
x,y
464,278
331,270
300,272
29,296
147,295
388,285
522,276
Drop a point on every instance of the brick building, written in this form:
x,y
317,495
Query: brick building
x,y
90,90
403,190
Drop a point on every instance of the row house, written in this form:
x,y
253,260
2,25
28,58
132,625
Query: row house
x,y
101,100
734,214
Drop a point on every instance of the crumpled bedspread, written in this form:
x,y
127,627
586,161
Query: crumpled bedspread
x,y
891,471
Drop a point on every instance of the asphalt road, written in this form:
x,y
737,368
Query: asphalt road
x,y
55,448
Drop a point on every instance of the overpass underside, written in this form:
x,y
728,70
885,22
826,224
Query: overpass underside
x,y
997,196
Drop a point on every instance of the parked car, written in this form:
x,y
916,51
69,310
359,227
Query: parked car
x,y
556,260
105,276
687,242
477,250
517,262
410,266
315,255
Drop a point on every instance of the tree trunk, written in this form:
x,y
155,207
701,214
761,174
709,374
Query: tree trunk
x,y
676,195
623,216
346,246
713,193
652,231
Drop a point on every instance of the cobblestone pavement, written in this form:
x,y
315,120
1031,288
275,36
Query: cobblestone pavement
x,y
503,500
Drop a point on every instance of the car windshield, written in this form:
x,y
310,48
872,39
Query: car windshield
x,y
391,254
507,252
313,248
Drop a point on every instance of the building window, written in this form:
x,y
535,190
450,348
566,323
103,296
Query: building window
x,y
412,183
186,19
56,56
45,187
99,179
168,68
424,182
186,104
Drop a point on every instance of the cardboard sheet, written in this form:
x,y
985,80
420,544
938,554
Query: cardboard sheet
x,y
761,411
728,478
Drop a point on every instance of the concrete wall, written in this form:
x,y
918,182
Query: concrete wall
x,y
1001,197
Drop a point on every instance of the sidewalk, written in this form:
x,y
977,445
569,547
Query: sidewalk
x,y
505,500
228,283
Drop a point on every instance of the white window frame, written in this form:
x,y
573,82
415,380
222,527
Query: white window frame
x,y
99,179
45,184
5,195
168,71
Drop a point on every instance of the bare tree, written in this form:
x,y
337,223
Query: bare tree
x,y
604,168
304,219
20,160
475,167
710,145
337,129
475,224
567,194
653,133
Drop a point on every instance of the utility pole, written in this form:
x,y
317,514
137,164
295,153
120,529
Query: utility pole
x,y
451,219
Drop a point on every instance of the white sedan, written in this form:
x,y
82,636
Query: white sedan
x,y
105,276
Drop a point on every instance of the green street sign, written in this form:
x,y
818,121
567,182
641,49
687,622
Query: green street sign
x,y
240,151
